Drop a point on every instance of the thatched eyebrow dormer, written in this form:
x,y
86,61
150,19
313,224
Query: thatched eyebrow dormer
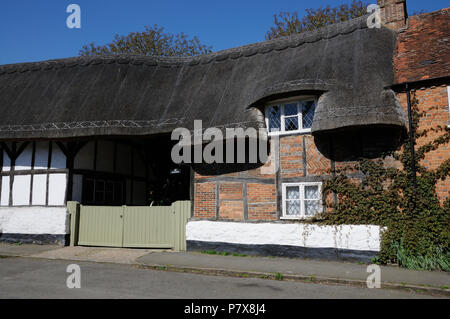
x,y
346,65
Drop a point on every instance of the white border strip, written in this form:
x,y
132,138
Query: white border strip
x,y
34,220
354,237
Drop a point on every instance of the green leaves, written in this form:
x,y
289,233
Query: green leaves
x,y
288,23
153,41
418,224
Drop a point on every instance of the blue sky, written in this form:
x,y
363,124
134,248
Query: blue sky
x,y
32,30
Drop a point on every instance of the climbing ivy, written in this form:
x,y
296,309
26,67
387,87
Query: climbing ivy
x,y
417,223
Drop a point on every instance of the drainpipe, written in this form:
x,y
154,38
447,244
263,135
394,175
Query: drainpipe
x,y
407,85
411,135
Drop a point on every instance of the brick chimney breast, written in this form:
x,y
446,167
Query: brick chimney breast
x,y
393,13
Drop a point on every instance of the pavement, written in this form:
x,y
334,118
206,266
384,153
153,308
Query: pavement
x,y
39,278
95,254
289,269
24,250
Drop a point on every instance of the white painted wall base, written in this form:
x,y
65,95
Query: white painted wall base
x,y
34,220
353,237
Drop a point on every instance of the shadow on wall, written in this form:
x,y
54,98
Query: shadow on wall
x,y
365,141
224,168
341,145
233,164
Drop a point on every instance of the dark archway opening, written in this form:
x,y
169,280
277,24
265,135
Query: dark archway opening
x,y
169,182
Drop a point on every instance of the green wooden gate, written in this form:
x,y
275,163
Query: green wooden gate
x,y
129,226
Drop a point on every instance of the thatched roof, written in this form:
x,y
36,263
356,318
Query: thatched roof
x,y
139,95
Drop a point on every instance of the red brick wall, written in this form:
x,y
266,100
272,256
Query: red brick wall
x,y
316,162
291,156
422,49
205,200
393,13
231,201
261,201
422,53
434,102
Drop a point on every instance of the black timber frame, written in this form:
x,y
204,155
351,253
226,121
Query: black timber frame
x,y
70,149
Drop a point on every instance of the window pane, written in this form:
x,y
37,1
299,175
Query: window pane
x,y
290,109
312,207
274,115
292,192
311,192
291,123
308,108
293,207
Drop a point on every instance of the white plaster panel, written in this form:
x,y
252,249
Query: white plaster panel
x,y
123,164
56,189
6,162
105,156
85,157
23,162
21,190
355,237
4,200
34,220
39,189
77,188
41,155
58,157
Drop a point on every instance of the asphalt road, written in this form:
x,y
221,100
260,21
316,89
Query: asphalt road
x,y
42,278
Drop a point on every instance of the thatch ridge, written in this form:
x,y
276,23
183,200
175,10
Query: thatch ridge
x,y
346,64
248,50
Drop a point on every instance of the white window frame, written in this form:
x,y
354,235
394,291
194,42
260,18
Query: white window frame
x,y
302,199
280,103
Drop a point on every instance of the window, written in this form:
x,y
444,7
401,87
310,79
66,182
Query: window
x,y
301,200
100,191
295,116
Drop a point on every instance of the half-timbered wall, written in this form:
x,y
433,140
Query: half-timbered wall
x,y
38,177
33,174
33,192
112,158
36,173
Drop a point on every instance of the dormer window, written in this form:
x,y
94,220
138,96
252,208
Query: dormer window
x,y
290,116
